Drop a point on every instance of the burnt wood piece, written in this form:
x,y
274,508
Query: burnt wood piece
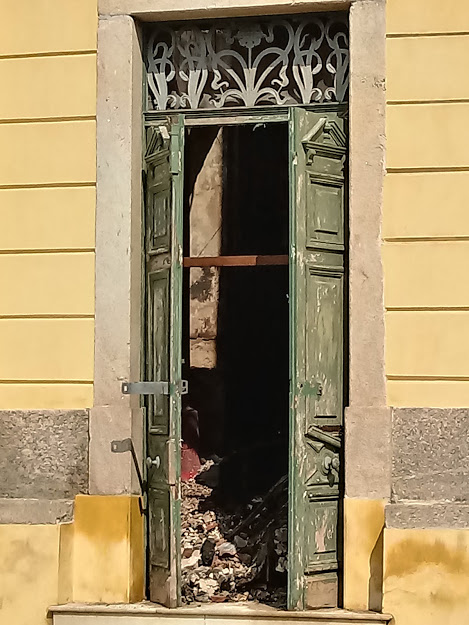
x,y
235,261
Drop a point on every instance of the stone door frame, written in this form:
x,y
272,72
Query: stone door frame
x,y
118,234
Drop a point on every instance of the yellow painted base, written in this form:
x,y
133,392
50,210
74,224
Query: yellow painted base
x,y
426,574
97,558
108,561
29,572
363,553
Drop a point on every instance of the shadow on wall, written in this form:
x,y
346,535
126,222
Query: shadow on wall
x,y
375,584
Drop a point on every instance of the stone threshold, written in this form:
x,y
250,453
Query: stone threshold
x,y
207,614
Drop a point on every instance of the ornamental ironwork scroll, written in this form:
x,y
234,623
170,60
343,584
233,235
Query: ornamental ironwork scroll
x,y
284,61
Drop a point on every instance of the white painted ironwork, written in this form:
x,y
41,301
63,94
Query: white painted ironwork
x,y
248,63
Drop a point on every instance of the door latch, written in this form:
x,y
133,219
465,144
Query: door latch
x,y
153,462
154,388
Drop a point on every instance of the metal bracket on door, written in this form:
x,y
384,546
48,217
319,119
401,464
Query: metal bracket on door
x,y
153,388
120,447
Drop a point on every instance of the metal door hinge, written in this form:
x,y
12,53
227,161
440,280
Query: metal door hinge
x,y
154,388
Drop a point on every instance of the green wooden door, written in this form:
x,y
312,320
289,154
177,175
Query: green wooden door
x,y
163,274
318,155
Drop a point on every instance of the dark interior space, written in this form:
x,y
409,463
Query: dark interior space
x,y
255,190
236,355
248,387
254,359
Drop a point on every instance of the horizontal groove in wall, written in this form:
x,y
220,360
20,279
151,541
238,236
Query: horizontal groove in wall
x,y
72,250
406,102
427,308
429,239
48,120
420,35
49,185
48,316
428,378
424,170
33,55
51,382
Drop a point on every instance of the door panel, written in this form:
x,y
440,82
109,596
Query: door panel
x,y
158,348
163,272
324,349
318,157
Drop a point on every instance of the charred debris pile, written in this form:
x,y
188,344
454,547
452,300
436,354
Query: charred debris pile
x,y
234,548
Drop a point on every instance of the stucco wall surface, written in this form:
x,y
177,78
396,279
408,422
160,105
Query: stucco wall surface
x,y
47,240
426,224
97,558
47,202
29,573
425,576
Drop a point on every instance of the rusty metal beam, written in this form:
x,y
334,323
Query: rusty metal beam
x,y
235,261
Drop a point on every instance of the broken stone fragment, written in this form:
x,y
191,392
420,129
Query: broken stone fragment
x,y
209,516
281,565
219,598
226,549
281,534
208,552
202,598
190,563
240,542
187,550
208,586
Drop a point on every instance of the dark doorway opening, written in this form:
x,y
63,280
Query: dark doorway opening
x,y
236,360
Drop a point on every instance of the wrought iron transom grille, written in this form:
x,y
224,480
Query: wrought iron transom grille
x,y
246,62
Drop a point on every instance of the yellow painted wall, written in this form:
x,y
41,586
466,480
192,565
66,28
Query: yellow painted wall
x,y
363,553
108,559
426,574
47,202
29,572
426,222
97,558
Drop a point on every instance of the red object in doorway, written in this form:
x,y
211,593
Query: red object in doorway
x,y
190,462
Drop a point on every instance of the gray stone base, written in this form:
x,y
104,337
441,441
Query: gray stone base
x,y
430,452
43,454
430,471
35,511
427,516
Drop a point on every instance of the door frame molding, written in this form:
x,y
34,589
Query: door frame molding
x,y
118,235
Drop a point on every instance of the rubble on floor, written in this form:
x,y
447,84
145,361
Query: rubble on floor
x,y
233,554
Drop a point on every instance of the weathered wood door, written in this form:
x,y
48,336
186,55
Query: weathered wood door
x,y
163,274
318,156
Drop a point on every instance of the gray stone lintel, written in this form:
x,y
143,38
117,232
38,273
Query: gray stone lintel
x,y
427,516
35,511
193,9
